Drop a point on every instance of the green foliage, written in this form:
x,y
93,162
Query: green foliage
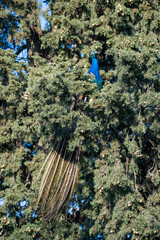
x,y
117,128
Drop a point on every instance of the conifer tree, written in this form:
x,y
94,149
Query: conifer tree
x,y
117,127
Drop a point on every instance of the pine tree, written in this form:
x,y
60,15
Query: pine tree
x,y
116,128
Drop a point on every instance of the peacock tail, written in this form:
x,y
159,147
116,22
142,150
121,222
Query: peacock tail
x,y
60,168
58,180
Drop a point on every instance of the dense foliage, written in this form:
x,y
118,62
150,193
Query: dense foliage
x,y
118,188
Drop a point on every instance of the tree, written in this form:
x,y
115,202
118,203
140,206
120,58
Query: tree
x,y
117,128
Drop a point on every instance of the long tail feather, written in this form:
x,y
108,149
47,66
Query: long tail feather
x,y
62,195
59,186
58,180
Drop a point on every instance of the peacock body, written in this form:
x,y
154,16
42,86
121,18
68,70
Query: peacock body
x,y
94,69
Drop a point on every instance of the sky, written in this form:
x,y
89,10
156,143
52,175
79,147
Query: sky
x,y
44,7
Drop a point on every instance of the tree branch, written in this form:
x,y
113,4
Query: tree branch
x,y
21,49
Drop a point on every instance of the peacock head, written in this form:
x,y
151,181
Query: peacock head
x,y
94,54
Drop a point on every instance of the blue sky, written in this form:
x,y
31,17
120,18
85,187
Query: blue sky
x,y
44,7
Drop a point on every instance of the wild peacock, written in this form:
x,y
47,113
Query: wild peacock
x,y
60,169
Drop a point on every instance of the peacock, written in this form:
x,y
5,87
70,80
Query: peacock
x,y
60,168
94,69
